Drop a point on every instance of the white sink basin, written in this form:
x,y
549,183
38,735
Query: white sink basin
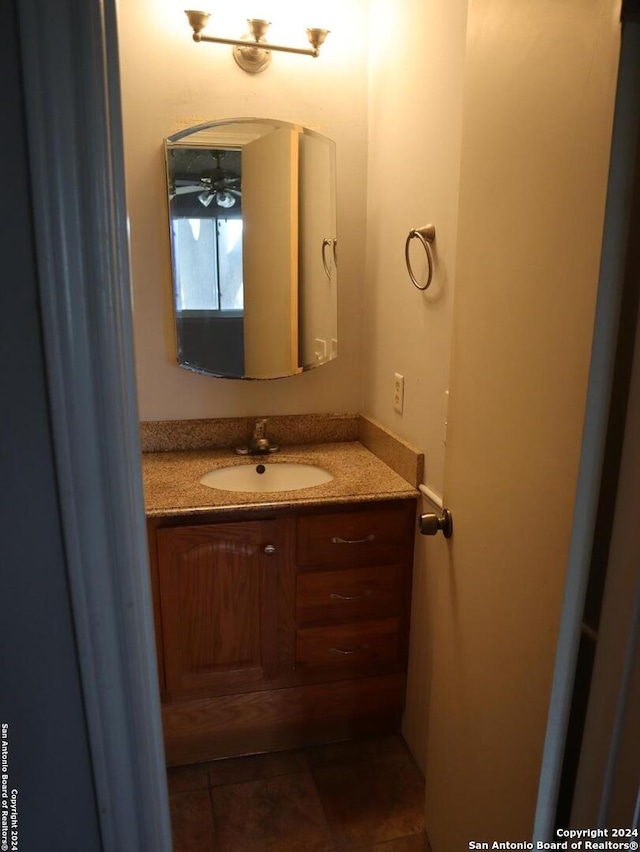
x,y
287,476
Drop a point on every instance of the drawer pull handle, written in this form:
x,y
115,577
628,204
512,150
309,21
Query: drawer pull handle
x,y
337,540
336,597
347,652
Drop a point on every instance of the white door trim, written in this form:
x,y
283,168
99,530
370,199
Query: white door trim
x,y
603,361
71,84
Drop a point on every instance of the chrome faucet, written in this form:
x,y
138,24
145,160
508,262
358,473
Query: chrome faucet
x,y
259,443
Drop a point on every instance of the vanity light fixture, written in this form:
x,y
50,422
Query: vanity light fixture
x,y
252,52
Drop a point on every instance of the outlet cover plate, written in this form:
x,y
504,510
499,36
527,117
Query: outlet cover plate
x,y
398,392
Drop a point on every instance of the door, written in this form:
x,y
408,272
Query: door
x,y
218,591
270,254
539,95
318,273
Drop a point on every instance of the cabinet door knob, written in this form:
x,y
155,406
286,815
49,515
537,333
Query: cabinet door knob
x,y
270,549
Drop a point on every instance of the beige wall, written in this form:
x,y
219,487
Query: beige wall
x,y
416,69
416,66
169,83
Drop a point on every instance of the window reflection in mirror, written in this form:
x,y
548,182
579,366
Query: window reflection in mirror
x,y
208,264
252,223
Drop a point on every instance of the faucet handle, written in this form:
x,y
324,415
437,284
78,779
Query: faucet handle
x,y
259,442
260,428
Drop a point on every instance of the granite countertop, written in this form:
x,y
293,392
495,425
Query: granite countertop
x,y
172,487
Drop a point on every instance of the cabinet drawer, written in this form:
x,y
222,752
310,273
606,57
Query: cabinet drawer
x,y
349,645
352,593
374,537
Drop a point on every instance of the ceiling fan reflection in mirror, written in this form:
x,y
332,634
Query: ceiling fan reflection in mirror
x,y
220,185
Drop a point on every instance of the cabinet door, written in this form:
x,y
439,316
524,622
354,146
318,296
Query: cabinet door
x,y
219,606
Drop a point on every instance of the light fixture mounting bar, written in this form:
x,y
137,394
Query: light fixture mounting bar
x,y
263,45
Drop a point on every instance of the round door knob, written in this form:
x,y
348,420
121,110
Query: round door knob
x,y
270,549
430,524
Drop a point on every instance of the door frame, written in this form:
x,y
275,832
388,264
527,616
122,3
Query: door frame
x,y
608,358
69,57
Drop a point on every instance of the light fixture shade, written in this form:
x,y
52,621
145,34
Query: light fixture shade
x,y
316,36
205,198
198,20
225,199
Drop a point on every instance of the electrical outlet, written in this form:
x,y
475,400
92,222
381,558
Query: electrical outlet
x,y
398,392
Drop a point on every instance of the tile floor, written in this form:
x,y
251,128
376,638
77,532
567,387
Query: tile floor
x,y
366,795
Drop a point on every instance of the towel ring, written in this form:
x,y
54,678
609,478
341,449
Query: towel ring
x,y
426,236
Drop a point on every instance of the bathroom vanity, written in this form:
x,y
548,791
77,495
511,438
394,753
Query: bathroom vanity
x,y
281,619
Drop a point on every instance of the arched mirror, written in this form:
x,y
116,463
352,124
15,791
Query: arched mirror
x,y
252,215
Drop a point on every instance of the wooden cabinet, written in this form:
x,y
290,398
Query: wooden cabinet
x,y
282,629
